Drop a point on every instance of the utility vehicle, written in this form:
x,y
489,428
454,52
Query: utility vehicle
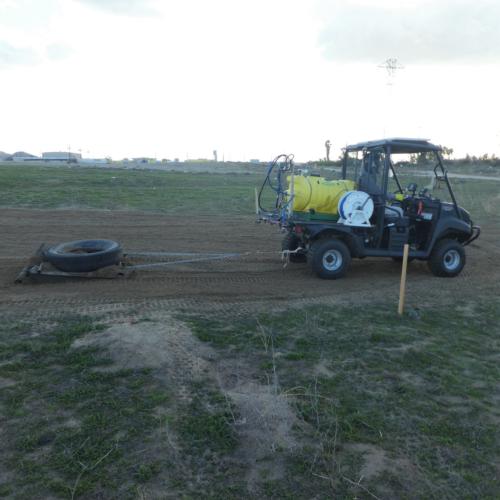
x,y
367,213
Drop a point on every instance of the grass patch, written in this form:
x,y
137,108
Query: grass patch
x,y
179,192
203,465
398,407
207,423
75,427
70,430
172,192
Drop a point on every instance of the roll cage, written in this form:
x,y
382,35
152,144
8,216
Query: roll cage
x,y
401,146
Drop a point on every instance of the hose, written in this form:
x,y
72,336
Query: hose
x,y
285,166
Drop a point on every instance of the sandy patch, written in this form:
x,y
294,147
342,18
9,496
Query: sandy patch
x,y
376,461
166,344
265,430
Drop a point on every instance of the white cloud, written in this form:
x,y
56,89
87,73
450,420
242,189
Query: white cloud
x,y
28,14
11,55
244,77
58,51
125,7
415,32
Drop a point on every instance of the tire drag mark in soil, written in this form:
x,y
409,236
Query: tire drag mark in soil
x,y
252,284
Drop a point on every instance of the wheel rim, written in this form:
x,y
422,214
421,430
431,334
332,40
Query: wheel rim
x,y
451,260
332,260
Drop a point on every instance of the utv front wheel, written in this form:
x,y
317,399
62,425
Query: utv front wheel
x,y
447,259
329,259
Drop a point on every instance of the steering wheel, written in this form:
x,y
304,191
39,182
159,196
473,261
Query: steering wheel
x,y
424,193
412,188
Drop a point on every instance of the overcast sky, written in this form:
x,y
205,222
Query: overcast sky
x,y
249,78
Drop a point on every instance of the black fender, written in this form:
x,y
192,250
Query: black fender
x,y
451,227
344,233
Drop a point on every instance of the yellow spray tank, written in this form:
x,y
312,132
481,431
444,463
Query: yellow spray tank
x,y
317,196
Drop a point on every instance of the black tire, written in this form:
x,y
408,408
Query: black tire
x,y
329,258
84,256
447,259
292,242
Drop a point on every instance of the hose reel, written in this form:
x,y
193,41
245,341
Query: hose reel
x,y
355,209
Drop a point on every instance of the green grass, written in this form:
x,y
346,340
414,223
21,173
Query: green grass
x,y
73,428
203,430
421,391
99,188
69,427
175,192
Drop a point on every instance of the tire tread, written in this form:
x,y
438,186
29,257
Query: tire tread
x,y
435,261
316,251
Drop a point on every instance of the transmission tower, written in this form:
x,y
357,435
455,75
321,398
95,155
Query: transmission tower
x,y
391,66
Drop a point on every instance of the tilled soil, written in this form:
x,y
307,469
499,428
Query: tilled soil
x,y
254,281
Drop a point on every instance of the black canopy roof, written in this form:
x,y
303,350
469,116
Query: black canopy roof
x,y
398,145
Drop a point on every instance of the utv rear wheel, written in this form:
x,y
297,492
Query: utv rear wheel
x,y
330,258
447,259
291,242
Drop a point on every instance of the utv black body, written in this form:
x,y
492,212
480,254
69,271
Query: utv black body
x,y
436,231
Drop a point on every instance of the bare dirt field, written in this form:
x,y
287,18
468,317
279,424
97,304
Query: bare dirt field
x,y
230,379
254,280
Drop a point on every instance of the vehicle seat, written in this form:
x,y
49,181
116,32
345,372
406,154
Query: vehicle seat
x,y
394,216
393,212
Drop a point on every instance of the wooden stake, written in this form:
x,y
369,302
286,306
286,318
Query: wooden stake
x,y
402,287
256,202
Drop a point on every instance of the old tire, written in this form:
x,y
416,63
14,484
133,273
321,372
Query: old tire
x,y
447,258
329,258
84,256
292,242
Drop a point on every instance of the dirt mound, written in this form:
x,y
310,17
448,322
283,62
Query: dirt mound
x,y
264,417
165,344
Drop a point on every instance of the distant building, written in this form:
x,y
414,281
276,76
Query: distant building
x,y
144,160
61,156
254,160
93,161
22,156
